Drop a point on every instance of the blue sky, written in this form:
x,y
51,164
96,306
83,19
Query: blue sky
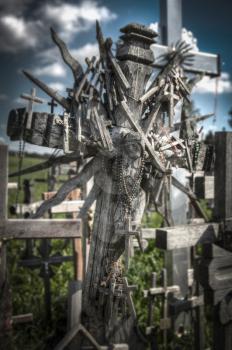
x,y
25,43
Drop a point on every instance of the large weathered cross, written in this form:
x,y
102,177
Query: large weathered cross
x,y
171,31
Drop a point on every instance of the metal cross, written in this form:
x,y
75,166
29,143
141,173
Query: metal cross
x,y
45,262
32,99
53,104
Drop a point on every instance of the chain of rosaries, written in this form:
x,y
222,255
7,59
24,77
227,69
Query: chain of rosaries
x,y
128,195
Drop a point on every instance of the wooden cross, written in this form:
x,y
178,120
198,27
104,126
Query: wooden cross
x,y
171,28
30,228
164,291
129,232
32,99
53,104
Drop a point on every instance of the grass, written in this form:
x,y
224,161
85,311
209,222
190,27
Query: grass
x,y
26,284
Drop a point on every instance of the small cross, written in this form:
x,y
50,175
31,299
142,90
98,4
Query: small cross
x,y
32,99
129,290
44,262
163,291
53,104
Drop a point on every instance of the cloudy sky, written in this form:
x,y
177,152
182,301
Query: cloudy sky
x,y
25,44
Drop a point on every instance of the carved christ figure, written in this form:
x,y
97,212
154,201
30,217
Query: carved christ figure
x,y
112,119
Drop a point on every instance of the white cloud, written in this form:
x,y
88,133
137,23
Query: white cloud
x,y
17,33
57,86
52,70
207,85
48,56
71,18
186,36
88,50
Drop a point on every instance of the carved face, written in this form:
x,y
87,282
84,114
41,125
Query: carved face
x,y
133,150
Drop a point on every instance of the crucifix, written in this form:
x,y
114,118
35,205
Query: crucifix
x,y
31,99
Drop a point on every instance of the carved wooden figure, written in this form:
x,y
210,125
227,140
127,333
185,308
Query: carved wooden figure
x,y
112,117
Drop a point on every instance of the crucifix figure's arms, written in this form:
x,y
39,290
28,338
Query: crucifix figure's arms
x,y
82,177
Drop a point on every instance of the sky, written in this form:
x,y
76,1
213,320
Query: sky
x,y
25,43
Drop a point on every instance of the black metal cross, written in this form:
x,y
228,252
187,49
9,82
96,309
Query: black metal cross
x,y
53,104
45,262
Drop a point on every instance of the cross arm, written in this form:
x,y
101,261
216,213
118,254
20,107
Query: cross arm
x,y
205,63
170,238
40,228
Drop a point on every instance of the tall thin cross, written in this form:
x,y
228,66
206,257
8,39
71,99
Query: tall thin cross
x,y
178,261
32,99
171,28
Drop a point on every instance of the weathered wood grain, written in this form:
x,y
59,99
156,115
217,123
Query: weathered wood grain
x,y
223,171
204,187
186,236
40,228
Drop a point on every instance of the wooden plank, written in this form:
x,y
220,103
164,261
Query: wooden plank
x,y
19,319
5,299
204,187
12,185
40,228
73,195
186,236
67,207
223,171
206,63
149,233
3,181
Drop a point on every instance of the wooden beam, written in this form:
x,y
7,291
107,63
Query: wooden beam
x,y
186,236
204,187
205,63
223,171
67,207
149,233
40,228
12,185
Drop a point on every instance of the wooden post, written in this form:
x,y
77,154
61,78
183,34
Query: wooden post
x,y
5,300
223,212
